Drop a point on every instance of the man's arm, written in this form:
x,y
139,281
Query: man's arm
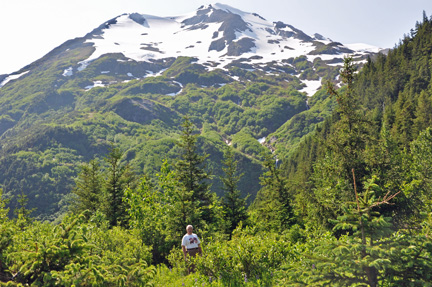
x,y
184,251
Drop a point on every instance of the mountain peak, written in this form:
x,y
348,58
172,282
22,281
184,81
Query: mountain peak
x,y
227,8
217,35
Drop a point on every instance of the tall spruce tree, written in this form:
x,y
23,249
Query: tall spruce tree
x,y
191,172
23,213
404,118
351,132
234,206
119,177
423,112
344,149
273,209
88,188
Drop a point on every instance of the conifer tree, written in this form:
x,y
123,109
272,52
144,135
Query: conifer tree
x,y
273,206
233,205
423,112
420,170
119,177
88,188
404,118
23,213
370,253
351,132
345,149
7,230
191,172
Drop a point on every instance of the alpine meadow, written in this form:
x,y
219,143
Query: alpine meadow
x,y
299,161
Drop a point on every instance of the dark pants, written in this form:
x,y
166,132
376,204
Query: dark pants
x,y
192,253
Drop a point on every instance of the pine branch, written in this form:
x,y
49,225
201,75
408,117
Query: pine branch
x,y
385,199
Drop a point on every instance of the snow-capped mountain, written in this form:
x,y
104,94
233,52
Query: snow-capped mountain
x,y
241,78
217,36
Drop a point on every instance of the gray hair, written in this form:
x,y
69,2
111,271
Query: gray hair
x,y
188,227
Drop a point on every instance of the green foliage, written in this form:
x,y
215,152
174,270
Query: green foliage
x,y
42,249
245,258
272,210
352,132
119,177
369,254
48,181
22,213
416,186
246,143
307,226
77,253
7,230
193,178
155,210
88,188
234,207
344,148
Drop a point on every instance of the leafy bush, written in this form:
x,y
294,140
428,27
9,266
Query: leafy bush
x,y
75,253
244,258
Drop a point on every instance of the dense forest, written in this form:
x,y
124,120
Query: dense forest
x,y
348,206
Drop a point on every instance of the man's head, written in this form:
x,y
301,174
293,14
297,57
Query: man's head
x,y
189,229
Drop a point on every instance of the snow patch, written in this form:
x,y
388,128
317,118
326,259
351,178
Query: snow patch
x,y
152,74
68,72
95,84
181,90
311,87
178,83
12,77
83,65
174,94
287,29
360,47
262,140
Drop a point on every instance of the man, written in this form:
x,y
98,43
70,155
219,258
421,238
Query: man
x,y
191,245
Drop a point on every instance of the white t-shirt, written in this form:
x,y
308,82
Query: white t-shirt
x,y
190,241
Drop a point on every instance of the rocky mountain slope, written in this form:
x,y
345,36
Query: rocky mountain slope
x,y
130,81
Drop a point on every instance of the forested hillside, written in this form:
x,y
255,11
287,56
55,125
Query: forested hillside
x,y
348,206
242,81
388,109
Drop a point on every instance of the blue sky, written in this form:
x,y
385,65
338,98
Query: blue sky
x,y
31,28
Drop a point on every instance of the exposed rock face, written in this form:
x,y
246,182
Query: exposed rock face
x,y
289,31
241,46
231,23
142,111
333,48
139,19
